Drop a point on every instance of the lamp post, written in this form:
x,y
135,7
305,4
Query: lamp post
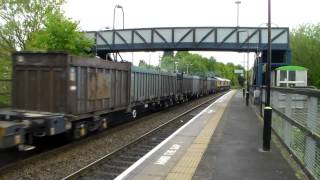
x,y
276,25
114,15
160,61
96,37
188,68
113,27
244,67
175,63
149,58
247,74
268,110
248,88
238,3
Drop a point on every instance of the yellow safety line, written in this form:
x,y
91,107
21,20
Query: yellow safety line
x,y
188,164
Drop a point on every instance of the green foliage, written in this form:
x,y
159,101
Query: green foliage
x,y
5,69
167,63
144,65
19,18
305,45
5,93
60,34
5,86
198,65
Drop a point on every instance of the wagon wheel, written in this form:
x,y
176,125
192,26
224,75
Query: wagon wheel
x,y
166,104
134,113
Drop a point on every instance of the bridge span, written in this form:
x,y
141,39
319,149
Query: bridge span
x,y
190,38
238,39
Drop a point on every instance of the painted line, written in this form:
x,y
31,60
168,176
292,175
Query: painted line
x,y
166,156
141,160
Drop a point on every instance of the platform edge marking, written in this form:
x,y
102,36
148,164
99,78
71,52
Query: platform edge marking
x,y
141,160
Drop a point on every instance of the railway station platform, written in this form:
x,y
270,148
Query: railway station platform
x,y
222,143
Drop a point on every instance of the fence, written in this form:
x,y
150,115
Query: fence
x,y
296,121
5,93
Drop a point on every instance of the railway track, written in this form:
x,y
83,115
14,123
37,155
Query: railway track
x,y
58,162
114,163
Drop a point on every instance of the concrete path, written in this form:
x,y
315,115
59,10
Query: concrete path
x,y
233,152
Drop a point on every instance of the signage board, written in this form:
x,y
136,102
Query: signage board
x,y
238,71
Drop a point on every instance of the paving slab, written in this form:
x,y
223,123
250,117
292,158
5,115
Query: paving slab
x,y
233,152
178,156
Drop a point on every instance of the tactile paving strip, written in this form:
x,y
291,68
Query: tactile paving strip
x,y
187,165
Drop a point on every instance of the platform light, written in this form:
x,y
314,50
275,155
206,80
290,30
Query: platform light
x,y
267,123
238,3
247,73
114,15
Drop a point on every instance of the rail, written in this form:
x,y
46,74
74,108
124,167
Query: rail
x,y
98,162
5,93
296,121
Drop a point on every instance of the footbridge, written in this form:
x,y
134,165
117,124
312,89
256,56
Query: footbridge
x,y
238,39
190,38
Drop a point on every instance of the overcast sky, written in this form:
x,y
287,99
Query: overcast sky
x,y
96,14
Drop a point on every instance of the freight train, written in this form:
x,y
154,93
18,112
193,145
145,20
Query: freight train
x,y
55,93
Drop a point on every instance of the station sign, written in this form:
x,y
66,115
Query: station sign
x,y
238,71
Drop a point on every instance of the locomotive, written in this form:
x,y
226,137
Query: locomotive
x,y
55,93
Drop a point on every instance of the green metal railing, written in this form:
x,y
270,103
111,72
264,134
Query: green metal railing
x,y
296,121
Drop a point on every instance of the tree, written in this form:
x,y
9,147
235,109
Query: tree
x,y
305,45
144,65
167,63
30,23
198,65
19,18
60,34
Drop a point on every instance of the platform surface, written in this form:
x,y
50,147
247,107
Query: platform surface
x,y
221,142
